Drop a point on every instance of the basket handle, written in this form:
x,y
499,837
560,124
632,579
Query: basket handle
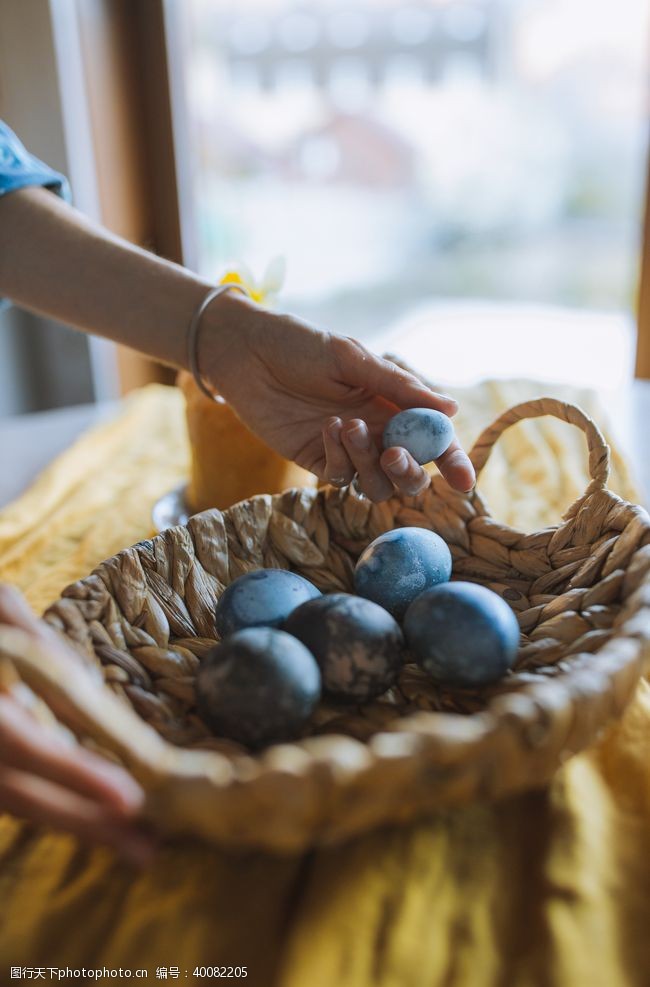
x,y
599,455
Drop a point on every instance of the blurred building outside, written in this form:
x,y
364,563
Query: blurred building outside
x,y
461,180
466,176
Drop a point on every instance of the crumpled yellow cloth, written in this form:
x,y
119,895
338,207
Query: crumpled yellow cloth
x,y
547,888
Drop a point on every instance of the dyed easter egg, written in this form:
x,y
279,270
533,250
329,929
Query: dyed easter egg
x,y
357,644
258,686
462,634
263,598
399,565
423,432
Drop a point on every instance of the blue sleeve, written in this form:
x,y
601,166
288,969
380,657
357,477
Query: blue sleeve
x,y
20,169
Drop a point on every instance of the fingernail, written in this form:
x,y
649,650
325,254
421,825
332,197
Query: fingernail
x,y
452,401
124,788
459,461
400,464
359,437
131,796
425,482
334,426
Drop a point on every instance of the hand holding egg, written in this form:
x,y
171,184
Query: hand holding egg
x,y
323,400
425,433
409,439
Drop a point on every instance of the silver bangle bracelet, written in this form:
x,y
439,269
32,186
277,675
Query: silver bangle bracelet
x,y
193,334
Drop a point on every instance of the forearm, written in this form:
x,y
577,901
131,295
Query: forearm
x,y
54,261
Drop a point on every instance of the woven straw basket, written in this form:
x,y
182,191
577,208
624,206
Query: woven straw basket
x,y
145,618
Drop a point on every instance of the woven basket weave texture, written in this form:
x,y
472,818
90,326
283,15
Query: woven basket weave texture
x,y
145,619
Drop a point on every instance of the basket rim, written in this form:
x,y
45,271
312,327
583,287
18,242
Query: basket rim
x,y
522,708
335,784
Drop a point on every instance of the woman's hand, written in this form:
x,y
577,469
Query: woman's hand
x,y
317,398
46,780
320,399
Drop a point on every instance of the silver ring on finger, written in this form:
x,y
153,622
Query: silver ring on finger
x,y
354,487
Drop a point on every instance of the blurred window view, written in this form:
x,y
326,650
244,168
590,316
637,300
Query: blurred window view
x,y
396,153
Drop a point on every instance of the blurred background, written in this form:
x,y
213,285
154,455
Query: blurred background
x,y
463,180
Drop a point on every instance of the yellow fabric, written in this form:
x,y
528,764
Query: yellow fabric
x,y
548,888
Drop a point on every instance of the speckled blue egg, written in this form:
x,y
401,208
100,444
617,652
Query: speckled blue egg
x,y
260,685
263,598
462,634
358,646
399,565
423,432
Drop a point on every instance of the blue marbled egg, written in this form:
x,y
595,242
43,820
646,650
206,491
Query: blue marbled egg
x,y
399,565
358,646
423,432
462,634
263,598
259,685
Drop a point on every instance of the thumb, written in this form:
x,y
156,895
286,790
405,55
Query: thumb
x,y
361,368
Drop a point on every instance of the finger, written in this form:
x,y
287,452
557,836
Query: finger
x,y
455,466
372,480
339,470
15,610
407,475
45,803
361,368
28,746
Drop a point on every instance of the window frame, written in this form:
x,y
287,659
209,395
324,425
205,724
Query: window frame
x,y
642,366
